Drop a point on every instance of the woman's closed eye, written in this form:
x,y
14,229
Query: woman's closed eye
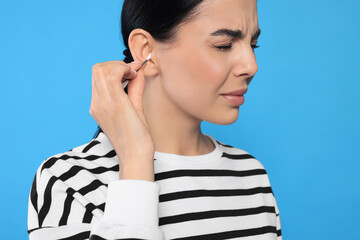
x,y
226,47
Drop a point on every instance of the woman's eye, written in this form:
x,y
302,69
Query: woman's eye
x,y
225,47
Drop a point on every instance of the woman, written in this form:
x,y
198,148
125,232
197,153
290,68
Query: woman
x,y
149,172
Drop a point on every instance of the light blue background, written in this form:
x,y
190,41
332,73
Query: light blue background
x,y
300,118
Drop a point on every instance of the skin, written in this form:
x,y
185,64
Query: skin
x,y
184,81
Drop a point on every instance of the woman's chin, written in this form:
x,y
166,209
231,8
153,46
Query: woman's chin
x,y
227,117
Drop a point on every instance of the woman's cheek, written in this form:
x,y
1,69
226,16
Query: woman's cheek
x,y
211,66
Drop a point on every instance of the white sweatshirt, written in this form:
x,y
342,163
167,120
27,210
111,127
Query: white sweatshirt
x,y
225,194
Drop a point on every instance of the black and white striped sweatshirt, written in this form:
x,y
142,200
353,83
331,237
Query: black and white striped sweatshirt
x,y
225,194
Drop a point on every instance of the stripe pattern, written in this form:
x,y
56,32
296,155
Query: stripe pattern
x,y
225,198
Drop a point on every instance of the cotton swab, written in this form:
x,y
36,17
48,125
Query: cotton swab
x,y
126,81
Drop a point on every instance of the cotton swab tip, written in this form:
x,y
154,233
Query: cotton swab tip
x,y
148,57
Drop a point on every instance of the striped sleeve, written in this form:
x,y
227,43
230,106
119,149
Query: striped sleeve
x,y
131,210
277,211
278,223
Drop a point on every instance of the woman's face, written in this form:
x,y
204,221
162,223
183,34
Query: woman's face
x,y
194,73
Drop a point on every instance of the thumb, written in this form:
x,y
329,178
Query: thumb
x,y
135,64
136,86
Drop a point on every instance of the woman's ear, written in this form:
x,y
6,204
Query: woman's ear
x,y
141,44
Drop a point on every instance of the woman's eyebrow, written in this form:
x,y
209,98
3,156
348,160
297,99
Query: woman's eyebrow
x,y
234,33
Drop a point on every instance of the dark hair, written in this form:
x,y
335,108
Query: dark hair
x,y
161,18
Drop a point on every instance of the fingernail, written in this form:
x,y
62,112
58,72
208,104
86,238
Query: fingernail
x,y
133,70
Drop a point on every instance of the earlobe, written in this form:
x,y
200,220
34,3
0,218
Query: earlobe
x,y
149,67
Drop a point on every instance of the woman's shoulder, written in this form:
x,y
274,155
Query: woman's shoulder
x,y
81,173
246,165
93,160
240,156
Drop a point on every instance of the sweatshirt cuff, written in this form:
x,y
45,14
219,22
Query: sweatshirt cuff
x,y
132,202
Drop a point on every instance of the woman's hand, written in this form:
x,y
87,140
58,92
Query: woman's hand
x,y
119,115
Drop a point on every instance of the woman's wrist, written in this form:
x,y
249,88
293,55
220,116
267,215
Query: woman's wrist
x,y
137,171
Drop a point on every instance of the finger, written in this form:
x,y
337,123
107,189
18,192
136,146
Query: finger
x,y
117,76
135,64
136,86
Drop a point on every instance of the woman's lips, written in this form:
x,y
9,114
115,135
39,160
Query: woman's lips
x,y
237,92
235,99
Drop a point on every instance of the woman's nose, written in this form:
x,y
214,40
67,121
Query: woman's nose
x,y
246,62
